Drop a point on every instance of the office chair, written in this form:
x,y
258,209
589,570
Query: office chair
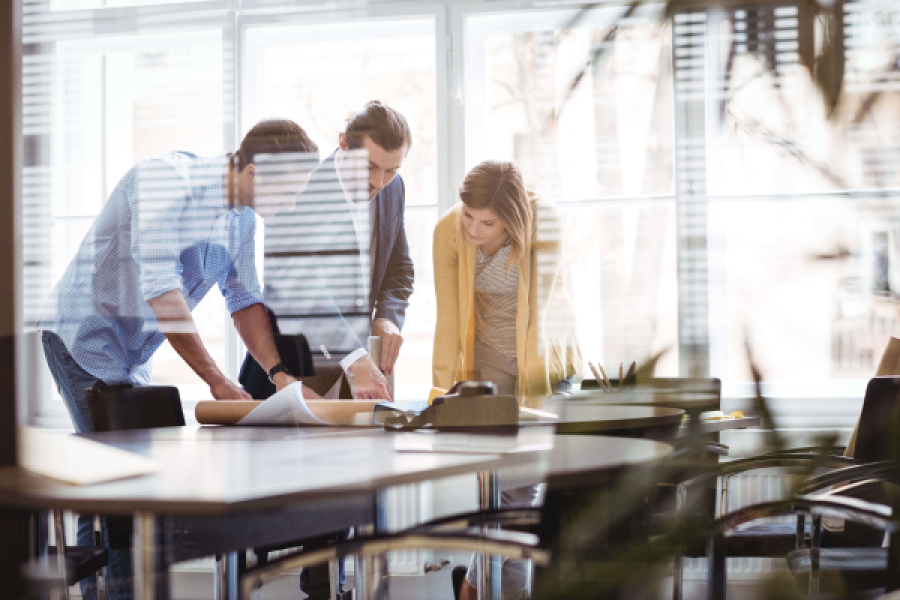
x,y
296,356
878,424
817,507
111,408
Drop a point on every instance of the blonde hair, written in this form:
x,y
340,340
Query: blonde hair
x,y
497,186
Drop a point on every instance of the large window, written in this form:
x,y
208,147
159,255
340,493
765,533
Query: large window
x,y
718,191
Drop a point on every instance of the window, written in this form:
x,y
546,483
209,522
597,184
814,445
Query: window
x,y
318,75
588,120
712,196
113,102
802,224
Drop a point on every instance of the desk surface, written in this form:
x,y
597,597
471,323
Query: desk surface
x,y
221,470
576,417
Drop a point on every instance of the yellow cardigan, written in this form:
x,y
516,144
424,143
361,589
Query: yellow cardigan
x,y
546,340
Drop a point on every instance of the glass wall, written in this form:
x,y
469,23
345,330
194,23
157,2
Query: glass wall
x,y
718,191
588,120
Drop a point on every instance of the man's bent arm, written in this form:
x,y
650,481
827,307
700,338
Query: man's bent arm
x,y
177,323
252,324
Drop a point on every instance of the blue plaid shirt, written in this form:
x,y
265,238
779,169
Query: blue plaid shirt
x,y
165,227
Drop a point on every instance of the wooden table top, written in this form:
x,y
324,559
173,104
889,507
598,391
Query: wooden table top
x,y
217,470
576,417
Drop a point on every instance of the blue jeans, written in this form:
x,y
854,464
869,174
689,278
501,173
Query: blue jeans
x,y
72,381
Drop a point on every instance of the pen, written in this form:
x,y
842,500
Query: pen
x,y
605,378
597,376
631,370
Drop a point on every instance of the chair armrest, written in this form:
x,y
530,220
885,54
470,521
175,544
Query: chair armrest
x,y
852,474
818,505
834,450
766,461
506,543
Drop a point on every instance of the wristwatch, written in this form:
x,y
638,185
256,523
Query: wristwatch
x,y
279,368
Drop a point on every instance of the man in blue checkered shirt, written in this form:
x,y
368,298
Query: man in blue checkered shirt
x,y
174,226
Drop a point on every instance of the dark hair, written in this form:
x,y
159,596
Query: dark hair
x,y
273,136
382,124
498,187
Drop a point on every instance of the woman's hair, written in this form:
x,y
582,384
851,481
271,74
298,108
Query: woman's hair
x,y
498,187
381,124
273,136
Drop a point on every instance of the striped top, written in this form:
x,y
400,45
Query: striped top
x,y
496,299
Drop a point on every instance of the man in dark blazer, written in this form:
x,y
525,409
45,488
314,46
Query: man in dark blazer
x,y
337,268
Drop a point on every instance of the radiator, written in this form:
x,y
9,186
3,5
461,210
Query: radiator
x,y
743,490
405,506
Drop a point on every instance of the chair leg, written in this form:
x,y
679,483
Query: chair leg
x,y
801,531
893,566
360,576
677,575
334,577
716,582
814,556
101,574
60,532
252,560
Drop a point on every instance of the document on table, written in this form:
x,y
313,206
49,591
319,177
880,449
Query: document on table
x,y
286,407
73,459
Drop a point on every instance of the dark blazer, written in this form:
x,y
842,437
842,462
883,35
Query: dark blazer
x,y
319,278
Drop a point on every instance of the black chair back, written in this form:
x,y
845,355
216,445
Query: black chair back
x,y
296,356
118,407
878,436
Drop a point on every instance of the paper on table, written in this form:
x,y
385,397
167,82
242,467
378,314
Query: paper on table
x,y
76,460
335,392
286,407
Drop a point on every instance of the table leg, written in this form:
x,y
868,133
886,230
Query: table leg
x,y
334,576
151,581
360,591
59,525
226,583
490,567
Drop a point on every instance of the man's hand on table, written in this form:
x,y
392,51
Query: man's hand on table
x,y
225,389
368,381
391,340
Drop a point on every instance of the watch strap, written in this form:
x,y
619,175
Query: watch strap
x,y
278,368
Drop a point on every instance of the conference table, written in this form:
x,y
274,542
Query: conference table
x,y
580,405
575,418
248,487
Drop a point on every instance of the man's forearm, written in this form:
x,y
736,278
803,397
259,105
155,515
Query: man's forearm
x,y
252,324
177,323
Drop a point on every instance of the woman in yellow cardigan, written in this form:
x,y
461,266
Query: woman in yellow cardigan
x,y
503,313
